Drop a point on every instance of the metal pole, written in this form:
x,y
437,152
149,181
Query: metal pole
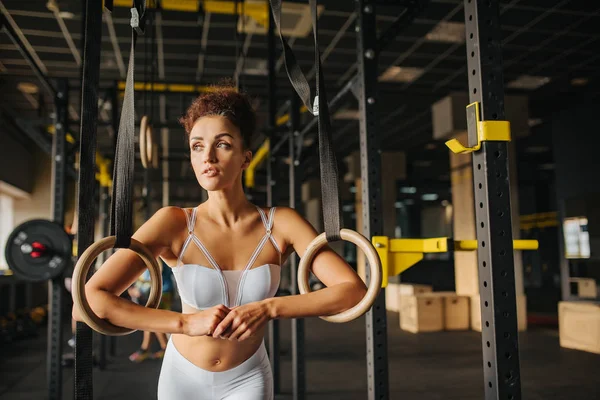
x,y
492,204
59,175
370,160
298,363
273,326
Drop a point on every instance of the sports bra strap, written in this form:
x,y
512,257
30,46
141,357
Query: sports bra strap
x,y
268,223
193,221
187,219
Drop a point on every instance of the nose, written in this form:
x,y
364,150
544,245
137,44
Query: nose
x,y
209,155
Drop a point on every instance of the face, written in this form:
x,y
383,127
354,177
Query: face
x,y
217,153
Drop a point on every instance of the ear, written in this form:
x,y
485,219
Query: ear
x,y
247,159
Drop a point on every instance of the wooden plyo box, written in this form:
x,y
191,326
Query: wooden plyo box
x,y
456,310
421,313
579,325
395,291
584,287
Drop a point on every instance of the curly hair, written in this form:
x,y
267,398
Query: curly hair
x,y
227,102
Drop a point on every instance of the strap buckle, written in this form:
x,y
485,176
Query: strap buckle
x,y
135,21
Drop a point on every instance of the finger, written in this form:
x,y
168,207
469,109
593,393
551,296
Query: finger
x,y
240,330
222,307
221,314
223,325
237,321
246,335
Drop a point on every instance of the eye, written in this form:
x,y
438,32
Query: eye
x,y
196,147
223,145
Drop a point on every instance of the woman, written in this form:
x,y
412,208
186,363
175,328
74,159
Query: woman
x,y
226,255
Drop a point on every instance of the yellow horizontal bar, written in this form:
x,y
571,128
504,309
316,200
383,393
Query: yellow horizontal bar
x,y
429,245
538,224
169,87
520,244
398,255
258,11
538,216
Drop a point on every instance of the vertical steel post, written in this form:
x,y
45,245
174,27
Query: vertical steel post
x,y
370,162
492,204
83,380
59,175
298,363
273,326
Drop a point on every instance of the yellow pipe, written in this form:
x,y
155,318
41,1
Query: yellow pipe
x,y
258,158
465,245
258,11
169,87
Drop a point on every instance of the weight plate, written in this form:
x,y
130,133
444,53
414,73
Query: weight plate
x,y
38,250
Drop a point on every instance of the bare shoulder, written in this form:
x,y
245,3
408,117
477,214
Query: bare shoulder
x,y
287,215
171,218
292,225
167,222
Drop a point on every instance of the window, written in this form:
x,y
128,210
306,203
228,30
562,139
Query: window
x,y
8,195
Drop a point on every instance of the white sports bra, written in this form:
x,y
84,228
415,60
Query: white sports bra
x,y
203,287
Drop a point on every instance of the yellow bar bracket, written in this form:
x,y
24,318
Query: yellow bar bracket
x,y
469,245
398,255
258,158
497,131
103,176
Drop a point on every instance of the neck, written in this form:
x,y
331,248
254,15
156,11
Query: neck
x,y
228,206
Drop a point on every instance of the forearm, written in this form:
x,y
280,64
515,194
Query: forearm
x,y
328,301
124,313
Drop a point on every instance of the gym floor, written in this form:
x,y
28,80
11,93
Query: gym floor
x,y
425,366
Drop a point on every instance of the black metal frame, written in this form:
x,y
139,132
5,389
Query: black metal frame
x,y
493,210
370,162
273,325
295,200
55,288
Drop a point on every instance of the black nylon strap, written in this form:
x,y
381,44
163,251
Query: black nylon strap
x,y
86,181
328,164
121,224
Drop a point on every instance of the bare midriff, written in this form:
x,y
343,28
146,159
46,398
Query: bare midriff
x,y
215,354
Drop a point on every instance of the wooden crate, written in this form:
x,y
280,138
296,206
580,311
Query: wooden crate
x,y
579,325
584,287
456,310
421,313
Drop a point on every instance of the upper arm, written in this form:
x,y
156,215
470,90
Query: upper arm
x,y
328,266
121,269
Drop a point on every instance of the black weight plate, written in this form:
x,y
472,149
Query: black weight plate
x,y
47,266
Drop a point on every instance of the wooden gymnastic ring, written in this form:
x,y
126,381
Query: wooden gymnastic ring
x,y
80,274
146,142
375,279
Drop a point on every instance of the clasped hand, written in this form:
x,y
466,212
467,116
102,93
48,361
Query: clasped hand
x,y
237,323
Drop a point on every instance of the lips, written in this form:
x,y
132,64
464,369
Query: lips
x,y
209,172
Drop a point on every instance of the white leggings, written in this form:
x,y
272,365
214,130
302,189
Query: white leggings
x,y
181,379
